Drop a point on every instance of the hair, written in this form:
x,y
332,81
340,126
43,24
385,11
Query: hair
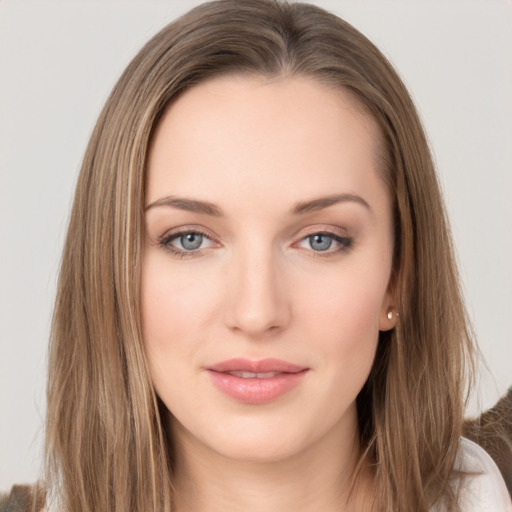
x,y
106,442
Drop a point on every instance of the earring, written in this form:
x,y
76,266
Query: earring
x,y
390,315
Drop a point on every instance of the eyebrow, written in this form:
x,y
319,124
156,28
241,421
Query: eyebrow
x,y
301,208
324,202
189,205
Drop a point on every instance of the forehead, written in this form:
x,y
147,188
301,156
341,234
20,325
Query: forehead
x,y
266,135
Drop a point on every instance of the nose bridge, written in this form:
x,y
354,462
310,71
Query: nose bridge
x,y
257,300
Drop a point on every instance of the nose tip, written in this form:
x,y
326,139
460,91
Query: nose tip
x,y
258,305
255,320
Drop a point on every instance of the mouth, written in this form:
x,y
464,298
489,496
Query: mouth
x,y
256,382
252,375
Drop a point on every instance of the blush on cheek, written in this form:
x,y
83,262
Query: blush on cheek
x,y
353,309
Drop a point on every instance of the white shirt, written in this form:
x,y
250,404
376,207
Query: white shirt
x,y
483,488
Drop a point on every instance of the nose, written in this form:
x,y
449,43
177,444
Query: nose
x,y
257,300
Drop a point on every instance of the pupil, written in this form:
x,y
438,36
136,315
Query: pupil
x,y
320,242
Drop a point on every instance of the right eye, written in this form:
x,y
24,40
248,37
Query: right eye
x,y
184,243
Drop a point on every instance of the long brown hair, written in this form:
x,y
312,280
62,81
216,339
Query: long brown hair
x,y
106,444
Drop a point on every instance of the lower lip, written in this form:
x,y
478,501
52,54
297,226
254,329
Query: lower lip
x,y
253,390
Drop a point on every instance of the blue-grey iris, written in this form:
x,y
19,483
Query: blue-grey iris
x,y
191,241
320,242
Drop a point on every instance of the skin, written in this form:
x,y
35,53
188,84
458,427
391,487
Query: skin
x,y
259,287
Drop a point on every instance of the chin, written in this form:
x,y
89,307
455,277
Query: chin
x,y
258,438
269,448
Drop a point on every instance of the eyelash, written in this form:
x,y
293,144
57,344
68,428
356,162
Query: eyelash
x,y
345,243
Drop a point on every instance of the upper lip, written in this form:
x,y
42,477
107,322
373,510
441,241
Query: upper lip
x,y
261,366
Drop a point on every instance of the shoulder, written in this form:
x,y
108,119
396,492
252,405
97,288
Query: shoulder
x,y
482,487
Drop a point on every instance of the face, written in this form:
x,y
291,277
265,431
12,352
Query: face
x,y
267,262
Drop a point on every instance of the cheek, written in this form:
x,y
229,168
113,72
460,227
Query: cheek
x,y
350,334
341,326
166,306
171,305
344,303
344,322
174,304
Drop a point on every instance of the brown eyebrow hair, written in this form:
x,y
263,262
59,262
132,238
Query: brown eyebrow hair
x,y
190,205
324,202
303,207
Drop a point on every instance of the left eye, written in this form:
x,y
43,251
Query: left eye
x,y
322,242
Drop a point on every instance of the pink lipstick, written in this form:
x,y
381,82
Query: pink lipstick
x,y
256,382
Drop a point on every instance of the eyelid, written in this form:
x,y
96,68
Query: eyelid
x,y
322,229
184,230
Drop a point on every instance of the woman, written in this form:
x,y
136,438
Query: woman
x,y
258,306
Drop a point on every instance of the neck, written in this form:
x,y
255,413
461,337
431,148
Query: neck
x,y
318,478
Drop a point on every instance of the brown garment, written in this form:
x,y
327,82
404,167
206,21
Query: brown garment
x,y
22,498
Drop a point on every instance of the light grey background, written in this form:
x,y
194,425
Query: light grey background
x,y
58,62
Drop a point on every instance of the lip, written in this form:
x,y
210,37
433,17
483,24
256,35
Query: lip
x,y
256,390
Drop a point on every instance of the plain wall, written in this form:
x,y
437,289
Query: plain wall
x,y
58,62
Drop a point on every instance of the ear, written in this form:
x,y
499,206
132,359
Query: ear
x,y
388,313
389,310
